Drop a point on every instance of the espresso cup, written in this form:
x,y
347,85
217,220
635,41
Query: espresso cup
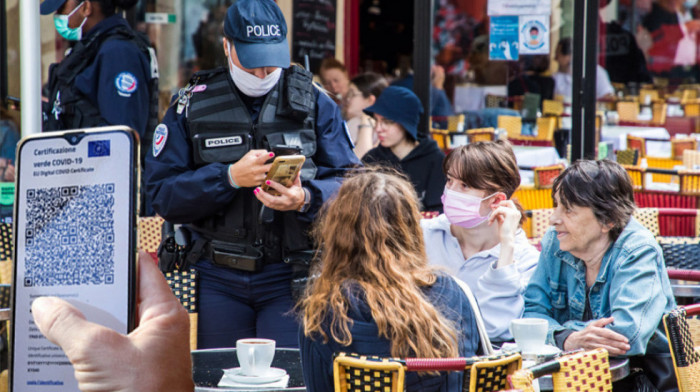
x,y
255,355
529,333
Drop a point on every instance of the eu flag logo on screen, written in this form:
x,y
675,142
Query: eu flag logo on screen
x,y
98,148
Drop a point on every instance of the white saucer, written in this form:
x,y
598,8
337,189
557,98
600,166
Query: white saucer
x,y
236,375
545,350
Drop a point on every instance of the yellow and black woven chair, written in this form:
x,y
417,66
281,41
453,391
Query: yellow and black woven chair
x,y
358,373
581,371
649,218
182,283
481,135
683,331
6,249
628,157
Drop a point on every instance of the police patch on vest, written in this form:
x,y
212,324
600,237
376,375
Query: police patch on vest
x,y
126,84
223,141
160,136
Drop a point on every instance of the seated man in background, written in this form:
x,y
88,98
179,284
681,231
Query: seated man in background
x,y
563,80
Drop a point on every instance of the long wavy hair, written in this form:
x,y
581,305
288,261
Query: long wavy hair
x,y
370,237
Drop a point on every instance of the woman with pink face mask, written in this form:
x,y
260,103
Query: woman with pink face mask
x,y
479,238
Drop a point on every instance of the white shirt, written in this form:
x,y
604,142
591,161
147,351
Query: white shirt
x,y
499,291
563,83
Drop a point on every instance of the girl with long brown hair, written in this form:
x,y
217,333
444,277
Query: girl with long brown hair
x,y
375,293
479,238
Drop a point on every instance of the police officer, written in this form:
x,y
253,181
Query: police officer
x,y
110,76
210,157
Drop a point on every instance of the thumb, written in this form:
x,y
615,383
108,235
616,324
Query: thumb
x,y
61,322
602,322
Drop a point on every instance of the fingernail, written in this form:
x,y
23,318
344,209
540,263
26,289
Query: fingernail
x,y
256,190
272,154
267,182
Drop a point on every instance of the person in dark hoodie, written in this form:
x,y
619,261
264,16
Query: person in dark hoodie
x,y
374,291
397,112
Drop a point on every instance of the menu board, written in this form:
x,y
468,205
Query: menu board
x,y
313,31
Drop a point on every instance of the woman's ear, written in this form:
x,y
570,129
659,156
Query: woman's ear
x,y
606,227
372,99
88,9
225,43
500,196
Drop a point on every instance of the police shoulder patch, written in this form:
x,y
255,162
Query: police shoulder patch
x,y
126,84
160,136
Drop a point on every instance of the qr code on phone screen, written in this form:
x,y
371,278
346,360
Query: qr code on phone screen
x,y
69,236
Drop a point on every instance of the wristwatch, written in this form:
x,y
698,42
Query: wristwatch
x,y
307,201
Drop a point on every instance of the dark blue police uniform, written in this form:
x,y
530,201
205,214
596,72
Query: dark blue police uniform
x,y
116,81
236,304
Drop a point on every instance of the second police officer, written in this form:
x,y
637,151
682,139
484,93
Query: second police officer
x,y
210,155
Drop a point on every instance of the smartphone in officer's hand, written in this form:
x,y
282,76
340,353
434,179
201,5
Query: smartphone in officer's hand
x,y
74,238
283,171
283,149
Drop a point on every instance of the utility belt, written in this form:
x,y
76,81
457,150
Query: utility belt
x,y
178,251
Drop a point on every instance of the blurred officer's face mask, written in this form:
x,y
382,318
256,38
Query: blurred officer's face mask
x,y
61,23
249,84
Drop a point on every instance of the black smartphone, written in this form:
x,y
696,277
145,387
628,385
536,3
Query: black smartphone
x,y
75,225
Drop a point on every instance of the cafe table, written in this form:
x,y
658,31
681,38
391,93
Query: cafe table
x,y
617,135
208,365
685,288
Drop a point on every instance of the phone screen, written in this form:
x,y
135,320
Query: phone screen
x,y
75,219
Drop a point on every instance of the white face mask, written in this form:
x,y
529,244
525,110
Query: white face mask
x,y
249,84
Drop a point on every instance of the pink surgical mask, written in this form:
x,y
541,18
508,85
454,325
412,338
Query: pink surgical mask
x,y
462,209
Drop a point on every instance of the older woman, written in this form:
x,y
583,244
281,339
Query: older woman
x,y
601,279
375,293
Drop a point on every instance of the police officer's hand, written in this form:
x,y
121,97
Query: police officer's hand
x,y
290,199
251,170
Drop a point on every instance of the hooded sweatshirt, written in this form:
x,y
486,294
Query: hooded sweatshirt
x,y
423,166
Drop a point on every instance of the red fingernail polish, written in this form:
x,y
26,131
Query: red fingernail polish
x,y
267,182
272,154
256,190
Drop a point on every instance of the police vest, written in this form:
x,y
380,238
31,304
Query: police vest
x,y
221,130
69,109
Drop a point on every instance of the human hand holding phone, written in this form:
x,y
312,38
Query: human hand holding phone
x,y
153,357
251,170
289,198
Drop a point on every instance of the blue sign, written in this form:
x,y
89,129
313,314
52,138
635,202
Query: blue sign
x,y
503,38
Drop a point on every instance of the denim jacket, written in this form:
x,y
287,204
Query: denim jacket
x,y
632,286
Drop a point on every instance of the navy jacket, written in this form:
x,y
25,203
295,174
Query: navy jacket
x,y
445,294
103,80
423,166
183,194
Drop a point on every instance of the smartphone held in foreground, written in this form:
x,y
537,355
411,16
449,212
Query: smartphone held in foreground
x,y
75,238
